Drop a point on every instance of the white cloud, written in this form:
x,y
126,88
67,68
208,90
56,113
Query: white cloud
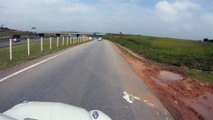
x,y
208,18
177,10
172,18
76,9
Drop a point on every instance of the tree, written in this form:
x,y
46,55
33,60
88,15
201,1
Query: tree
x,y
2,26
211,41
205,39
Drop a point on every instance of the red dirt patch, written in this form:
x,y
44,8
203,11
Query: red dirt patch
x,y
185,98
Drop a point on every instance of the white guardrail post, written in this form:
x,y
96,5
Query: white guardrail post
x,y
50,43
41,44
73,40
63,41
67,40
11,52
57,42
28,46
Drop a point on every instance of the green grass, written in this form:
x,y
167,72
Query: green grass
x,y
20,52
195,55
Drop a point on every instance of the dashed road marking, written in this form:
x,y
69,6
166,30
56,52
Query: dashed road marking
x,y
130,98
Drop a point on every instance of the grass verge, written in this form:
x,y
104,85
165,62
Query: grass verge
x,y
189,57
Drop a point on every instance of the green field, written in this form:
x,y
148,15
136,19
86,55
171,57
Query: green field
x,y
194,55
20,52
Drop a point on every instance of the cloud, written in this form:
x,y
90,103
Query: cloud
x,y
177,10
76,9
188,19
208,18
170,18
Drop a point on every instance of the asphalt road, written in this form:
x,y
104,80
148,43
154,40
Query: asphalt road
x,y
92,76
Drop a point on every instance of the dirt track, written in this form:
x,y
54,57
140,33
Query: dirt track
x,y
185,98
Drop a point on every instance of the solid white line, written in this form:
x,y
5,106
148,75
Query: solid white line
x,y
29,67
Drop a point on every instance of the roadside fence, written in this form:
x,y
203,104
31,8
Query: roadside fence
x,y
31,45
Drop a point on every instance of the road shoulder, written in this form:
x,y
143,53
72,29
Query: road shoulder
x,y
185,98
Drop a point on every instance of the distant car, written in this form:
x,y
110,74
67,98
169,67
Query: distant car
x,y
100,38
15,38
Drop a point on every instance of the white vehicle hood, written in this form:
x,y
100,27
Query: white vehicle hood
x,y
52,111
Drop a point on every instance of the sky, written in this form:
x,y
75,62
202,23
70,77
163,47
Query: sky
x,y
185,19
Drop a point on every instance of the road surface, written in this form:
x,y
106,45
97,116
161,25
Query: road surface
x,y
92,76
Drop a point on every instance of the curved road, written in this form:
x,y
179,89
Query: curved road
x,y
92,76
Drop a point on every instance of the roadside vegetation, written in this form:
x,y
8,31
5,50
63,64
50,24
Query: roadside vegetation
x,y
22,33
5,33
20,53
193,57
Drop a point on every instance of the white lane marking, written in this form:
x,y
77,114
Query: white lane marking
x,y
150,104
29,67
130,98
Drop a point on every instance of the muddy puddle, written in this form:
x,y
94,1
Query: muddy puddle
x,y
167,75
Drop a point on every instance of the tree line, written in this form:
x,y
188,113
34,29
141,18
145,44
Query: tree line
x,y
207,40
